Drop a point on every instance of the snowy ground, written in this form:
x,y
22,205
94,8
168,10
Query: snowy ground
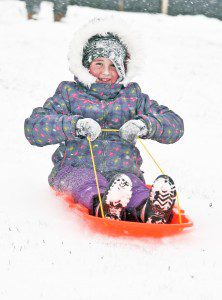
x,y
45,251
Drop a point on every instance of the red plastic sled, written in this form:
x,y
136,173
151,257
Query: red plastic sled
x,y
131,229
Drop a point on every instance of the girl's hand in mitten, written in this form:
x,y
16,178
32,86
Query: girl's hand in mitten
x,y
133,129
88,127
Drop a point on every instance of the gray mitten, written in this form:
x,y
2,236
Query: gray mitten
x,y
133,129
88,127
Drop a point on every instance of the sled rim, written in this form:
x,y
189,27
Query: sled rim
x,y
116,228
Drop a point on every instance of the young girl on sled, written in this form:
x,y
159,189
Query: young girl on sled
x,y
103,59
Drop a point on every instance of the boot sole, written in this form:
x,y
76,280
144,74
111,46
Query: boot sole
x,y
117,196
162,199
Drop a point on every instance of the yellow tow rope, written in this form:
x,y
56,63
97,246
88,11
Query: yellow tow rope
x,y
96,177
150,155
161,170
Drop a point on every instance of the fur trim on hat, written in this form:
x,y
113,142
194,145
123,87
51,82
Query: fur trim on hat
x,y
102,26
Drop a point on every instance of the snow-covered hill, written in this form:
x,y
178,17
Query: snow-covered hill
x,y
45,250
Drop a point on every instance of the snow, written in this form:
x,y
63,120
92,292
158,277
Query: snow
x,y
46,252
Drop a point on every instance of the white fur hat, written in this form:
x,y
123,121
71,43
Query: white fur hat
x,y
114,25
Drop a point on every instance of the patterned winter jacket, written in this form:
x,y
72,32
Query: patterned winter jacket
x,y
111,106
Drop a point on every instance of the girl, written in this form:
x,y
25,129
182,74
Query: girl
x,y
103,60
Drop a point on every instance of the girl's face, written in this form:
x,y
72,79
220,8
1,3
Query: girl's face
x,y
104,70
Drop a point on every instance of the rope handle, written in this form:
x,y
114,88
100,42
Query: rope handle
x,y
150,155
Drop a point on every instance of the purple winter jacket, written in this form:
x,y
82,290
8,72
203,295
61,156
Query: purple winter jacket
x,y
111,105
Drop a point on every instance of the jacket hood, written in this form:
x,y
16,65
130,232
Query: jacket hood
x,y
116,26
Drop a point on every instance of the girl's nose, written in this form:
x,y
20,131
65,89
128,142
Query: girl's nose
x,y
105,70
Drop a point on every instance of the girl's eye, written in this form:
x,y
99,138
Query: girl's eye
x,y
98,64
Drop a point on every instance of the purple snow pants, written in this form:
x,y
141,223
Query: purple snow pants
x,y
80,183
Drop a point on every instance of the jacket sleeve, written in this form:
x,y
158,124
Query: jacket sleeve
x,y
163,125
52,123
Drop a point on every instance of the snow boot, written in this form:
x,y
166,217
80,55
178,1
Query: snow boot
x,y
158,208
116,197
